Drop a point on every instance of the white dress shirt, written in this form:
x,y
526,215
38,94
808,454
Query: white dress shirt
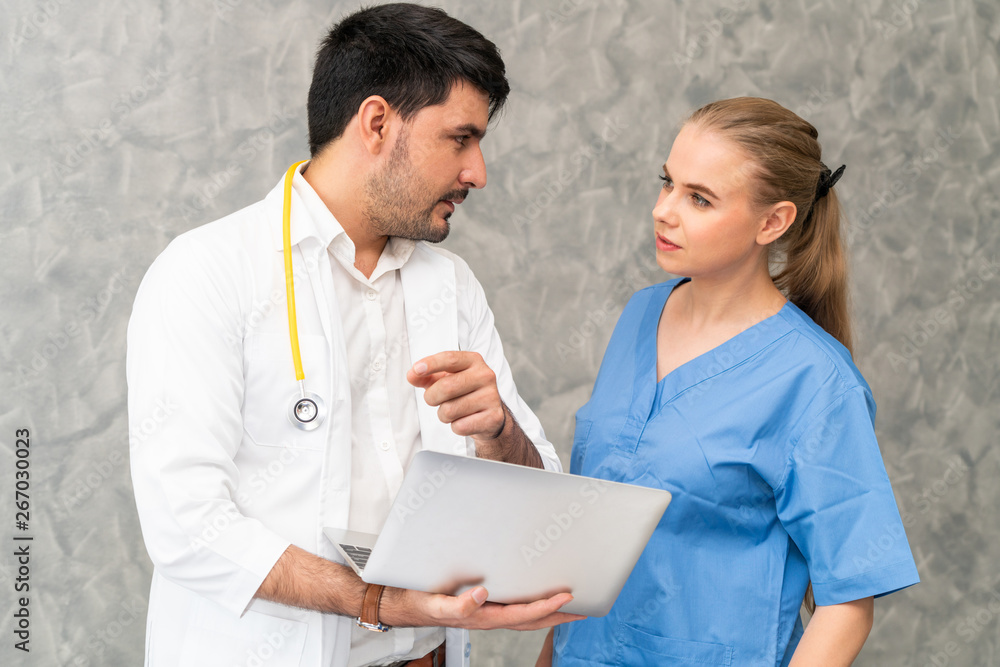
x,y
385,430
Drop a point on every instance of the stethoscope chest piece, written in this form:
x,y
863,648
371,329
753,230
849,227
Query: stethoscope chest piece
x,y
306,411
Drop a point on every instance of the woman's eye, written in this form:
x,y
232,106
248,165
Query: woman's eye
x,y
667,183
699,200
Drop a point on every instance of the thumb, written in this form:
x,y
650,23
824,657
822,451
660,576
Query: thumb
x,y
474,598
466,604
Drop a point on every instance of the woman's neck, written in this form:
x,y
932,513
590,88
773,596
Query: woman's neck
x,y
736,301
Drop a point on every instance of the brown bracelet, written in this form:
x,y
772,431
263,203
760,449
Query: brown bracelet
x,y
369,609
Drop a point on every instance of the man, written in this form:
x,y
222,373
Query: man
x,y
396,341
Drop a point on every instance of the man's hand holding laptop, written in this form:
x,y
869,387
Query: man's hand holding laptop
x,y
405,607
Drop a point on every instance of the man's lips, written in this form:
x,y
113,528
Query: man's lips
x,y
452,200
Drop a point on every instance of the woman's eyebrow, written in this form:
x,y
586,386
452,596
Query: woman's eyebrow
x,y
693,186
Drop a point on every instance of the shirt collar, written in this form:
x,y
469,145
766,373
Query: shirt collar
x,y
312,219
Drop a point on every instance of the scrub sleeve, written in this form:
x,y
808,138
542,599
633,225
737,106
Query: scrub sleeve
x,y
836,503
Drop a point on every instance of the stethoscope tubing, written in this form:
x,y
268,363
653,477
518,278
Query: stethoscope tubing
x,y
286,234
307,410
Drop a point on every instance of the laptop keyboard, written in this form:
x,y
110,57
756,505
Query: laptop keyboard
x,y
357,554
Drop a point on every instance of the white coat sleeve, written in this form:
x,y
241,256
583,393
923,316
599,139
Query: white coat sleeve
x,y
185,391
484,339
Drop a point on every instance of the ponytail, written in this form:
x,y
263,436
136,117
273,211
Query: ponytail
x,y
814,271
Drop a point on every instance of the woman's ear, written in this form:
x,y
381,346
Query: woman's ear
x,y
779,218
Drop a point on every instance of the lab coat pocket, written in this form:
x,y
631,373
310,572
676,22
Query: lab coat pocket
x,y
639,647
214,639
271,386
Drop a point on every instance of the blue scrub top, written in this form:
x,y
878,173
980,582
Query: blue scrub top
x,y
768,447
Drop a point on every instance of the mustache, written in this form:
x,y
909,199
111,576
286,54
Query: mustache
x,y
456,195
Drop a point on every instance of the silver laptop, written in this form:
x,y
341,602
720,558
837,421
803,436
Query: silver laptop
x,y
521,532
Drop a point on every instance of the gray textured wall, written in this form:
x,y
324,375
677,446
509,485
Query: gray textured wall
x,y
119,120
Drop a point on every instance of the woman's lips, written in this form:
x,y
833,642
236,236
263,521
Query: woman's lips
x,y
662,243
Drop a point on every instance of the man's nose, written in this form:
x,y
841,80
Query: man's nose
x,y
474,173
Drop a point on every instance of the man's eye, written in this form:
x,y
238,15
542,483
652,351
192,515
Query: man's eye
x,y
461,139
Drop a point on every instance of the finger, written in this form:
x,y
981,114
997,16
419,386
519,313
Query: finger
x,y
424,381
484,424
554,617
452,361
480,400
547,622
463,383
554,603
450,386
531,614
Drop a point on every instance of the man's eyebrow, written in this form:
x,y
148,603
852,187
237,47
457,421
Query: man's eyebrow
x,y
472,130
693,186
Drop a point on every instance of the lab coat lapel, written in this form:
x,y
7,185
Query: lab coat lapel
x,y
429,296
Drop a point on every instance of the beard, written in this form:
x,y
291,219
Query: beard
x,y
397,201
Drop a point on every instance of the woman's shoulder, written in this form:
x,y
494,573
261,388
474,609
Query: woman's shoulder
x,y
811,345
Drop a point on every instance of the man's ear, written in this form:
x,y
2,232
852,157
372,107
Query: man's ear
x,y
778,218
374,117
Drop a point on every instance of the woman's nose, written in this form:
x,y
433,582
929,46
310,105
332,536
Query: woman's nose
x,y
663,209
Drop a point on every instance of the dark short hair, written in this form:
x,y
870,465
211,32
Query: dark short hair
x,y
409,54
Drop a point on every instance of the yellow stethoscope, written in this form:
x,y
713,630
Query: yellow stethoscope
x,y
307,410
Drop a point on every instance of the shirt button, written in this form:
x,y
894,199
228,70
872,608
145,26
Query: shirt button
x,y
371,295
385,445
377,365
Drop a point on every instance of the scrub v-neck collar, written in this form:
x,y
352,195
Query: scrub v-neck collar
x,y
719,359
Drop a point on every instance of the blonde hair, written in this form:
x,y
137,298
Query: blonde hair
x,y
785,164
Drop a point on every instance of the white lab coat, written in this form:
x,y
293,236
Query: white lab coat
x,y
223,483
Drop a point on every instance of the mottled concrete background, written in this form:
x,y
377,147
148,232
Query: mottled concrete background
x,y
126,122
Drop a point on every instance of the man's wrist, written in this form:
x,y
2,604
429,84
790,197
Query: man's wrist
x,y
396,609
369,616
511,445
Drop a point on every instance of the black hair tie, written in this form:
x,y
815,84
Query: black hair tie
x,y
827,180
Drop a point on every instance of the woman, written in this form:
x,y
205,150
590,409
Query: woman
x,y
735,390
